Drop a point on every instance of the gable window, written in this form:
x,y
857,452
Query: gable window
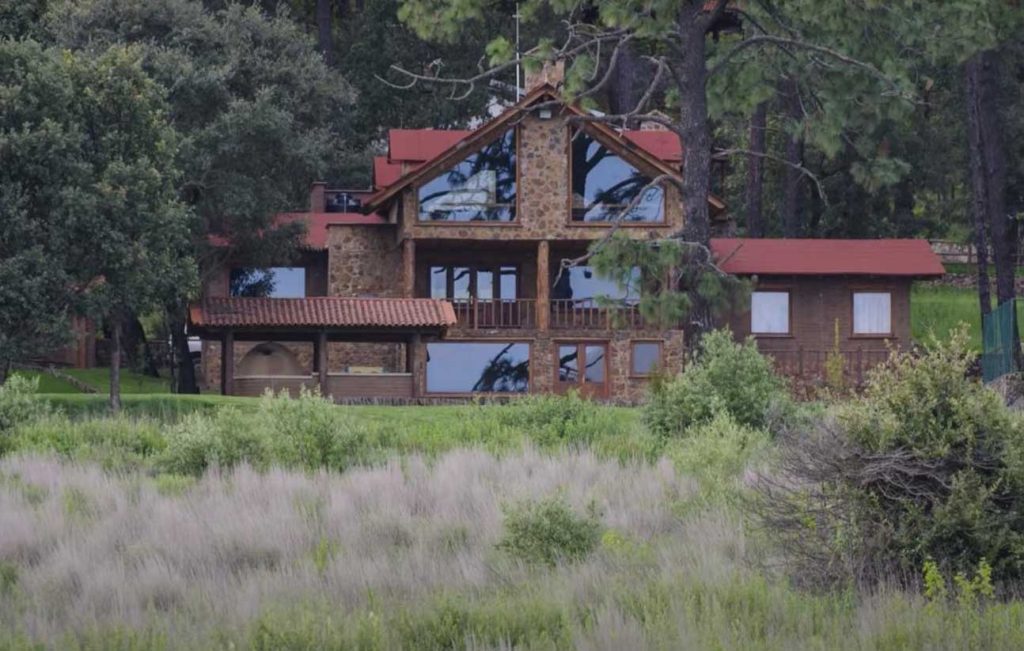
x,y
604,185
872,313
583,286
769,313
268,282
480,188
645,358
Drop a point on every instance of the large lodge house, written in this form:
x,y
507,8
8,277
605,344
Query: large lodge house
x,y
443,280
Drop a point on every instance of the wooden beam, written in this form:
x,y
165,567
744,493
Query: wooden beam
x,y
543,286
320,356
412,349
227,363
409,268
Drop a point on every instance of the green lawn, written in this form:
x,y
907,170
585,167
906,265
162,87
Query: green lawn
x,y
936,309
99,379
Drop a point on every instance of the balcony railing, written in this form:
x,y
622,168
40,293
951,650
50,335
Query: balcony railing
x,y
586,314
493,314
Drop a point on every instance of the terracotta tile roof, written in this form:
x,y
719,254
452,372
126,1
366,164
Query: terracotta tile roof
x,y
913,258
322,311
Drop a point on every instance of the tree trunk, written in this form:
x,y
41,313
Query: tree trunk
x,y
979,176
695,137
755,172
5,371
792,208
185,370
115,365
325,39
627,84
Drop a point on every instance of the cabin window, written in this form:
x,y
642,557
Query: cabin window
x,y
481,188
583,286
478,367
604,186
465,282
872,313
645,357
769,313
268,282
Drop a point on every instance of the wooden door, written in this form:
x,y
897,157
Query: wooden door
x,y
582,366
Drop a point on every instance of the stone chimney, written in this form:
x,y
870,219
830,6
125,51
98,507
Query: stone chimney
x,y
551,72
318,197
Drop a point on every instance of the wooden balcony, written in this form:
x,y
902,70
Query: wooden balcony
x,y
586,314
496,314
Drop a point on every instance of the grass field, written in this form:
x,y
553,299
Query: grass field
x,y
99,379
938,309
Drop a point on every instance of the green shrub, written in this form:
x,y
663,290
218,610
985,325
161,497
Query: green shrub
x,y
548,531
927,464
716,451
225,440
118,444
18,405
724,376
558,419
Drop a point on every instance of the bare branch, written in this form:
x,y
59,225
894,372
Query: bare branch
x,y
734,151
782,42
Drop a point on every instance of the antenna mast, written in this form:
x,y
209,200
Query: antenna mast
x,y
519,82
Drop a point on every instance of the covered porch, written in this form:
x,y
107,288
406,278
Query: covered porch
x,y
320,321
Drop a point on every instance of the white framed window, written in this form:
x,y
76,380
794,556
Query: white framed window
x,y
872,313
769,313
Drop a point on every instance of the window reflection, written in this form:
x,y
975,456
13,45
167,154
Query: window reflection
x,y
472,367
480,188
603,185
268,282
584,286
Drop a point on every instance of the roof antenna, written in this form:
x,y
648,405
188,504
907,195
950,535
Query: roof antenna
x,y
519,83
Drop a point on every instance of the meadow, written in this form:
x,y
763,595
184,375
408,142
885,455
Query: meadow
x,y
548,523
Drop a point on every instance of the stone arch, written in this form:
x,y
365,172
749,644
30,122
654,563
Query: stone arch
x,y
269,358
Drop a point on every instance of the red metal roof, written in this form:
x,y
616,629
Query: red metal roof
x,y
799,257
419,145
385,172
317,224
322,311
663,144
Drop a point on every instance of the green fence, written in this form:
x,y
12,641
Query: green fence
x,y
999,332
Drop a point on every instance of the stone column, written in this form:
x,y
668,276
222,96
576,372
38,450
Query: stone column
x,y
543,286
411,350
409,267
227,364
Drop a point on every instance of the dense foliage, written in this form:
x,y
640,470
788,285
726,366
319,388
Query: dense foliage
x,y
724,377
928,464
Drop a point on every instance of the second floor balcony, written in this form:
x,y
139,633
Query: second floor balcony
x,y
563,314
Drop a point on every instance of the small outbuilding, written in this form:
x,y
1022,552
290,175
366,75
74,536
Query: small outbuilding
x,y
815,296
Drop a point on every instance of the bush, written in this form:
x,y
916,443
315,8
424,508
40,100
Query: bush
x,y
725,376
548,531
558,419
927,464
716,451
19,403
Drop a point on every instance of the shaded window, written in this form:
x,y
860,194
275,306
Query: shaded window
x,y
603,185
581,363
472,367
463,283
480,188
269,282
872,313
646,357
769,313
584,285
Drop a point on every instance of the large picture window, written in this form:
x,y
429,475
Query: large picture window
x,y
872,313
478,367
269,282
769,313
480,188
604,185
583,285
